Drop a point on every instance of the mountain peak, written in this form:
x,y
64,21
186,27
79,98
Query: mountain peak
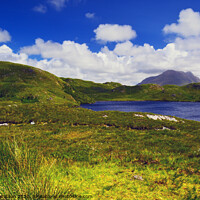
x,y
172,77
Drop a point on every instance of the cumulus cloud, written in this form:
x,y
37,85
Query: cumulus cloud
x,y
68,52
90,15
6,54
4,36
40,8
114,33
127,63
188,24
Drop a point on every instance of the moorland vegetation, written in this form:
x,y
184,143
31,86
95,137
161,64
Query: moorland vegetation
x,y
52,148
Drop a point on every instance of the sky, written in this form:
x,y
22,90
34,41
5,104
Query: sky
x,y
102,40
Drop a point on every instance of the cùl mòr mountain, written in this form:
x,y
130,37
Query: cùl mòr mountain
x,y
171,77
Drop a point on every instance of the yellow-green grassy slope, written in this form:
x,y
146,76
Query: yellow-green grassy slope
x,y
25,84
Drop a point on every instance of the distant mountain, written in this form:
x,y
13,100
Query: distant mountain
x,y
171,77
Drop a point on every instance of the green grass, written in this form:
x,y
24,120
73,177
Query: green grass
x,y
100,155
117,92
27,174
71,152
105,162
21,83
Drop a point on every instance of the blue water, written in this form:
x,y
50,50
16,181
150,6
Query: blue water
x,y
185,110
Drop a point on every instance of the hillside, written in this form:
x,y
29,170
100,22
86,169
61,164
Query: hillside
x,y
90,90
155,92
28,85
118,92
52,149
171,77
25,84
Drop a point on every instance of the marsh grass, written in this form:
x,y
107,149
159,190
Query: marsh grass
x,y
29,175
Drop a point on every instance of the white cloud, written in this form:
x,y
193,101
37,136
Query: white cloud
x,y
68,52
40,8
188,44
188,24
114,33
58,4
6,54
127,63
90,15
128,49
4,36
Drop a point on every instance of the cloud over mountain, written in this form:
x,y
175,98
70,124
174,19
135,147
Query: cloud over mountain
x,y
127,62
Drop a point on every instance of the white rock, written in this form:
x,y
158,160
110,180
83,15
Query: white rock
x,y
4,124
161,117
138,177
32,123
137,115
164,128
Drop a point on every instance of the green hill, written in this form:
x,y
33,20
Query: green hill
x,y
155,92
50,150
91,91
117,92
27,84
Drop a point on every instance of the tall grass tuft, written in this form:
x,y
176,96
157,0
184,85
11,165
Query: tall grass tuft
x,y
28,174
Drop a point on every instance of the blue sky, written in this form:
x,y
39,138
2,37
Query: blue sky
x,y
102,40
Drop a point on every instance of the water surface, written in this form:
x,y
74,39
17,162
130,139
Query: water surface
x,y
186,110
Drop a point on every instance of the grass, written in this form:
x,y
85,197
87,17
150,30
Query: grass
x,y
51,148
104,162
29,175
22,83
117,92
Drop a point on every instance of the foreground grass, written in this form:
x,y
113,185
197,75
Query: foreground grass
x,y
26,174
101,162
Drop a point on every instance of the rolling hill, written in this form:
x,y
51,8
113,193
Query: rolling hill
x,y
29,84
150,92
25,84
